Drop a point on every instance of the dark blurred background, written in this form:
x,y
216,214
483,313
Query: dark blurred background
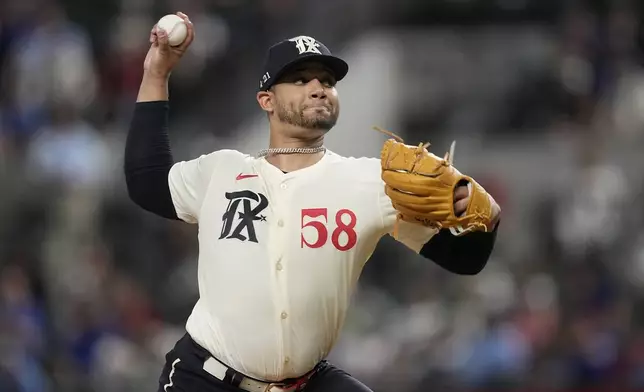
x,y
545,99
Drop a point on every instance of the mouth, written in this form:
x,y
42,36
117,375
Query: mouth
x,y
318,107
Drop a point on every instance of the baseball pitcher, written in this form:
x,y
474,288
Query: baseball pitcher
x,y
284,233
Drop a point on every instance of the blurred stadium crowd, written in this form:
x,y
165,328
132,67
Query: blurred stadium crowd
x,y
546,96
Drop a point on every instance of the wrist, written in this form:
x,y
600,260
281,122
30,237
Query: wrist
x,y
156,77
154,87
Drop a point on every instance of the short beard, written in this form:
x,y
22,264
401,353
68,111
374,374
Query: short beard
x,y
298,119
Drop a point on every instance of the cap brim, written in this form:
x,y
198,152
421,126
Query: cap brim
x,y
335,64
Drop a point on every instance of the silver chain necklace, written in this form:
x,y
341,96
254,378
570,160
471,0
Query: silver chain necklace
x,y
290,150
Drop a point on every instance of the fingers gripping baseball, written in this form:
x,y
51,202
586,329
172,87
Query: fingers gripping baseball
x,y
162,56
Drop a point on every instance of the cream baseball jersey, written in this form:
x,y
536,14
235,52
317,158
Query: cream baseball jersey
x,y
280,254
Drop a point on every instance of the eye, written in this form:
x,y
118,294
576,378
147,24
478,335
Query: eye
x,y
299,81
328,83
327,80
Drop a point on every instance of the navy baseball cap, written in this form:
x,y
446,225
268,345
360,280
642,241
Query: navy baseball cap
x,y
289,52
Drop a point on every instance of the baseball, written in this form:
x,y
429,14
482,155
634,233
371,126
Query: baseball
x,y
175,27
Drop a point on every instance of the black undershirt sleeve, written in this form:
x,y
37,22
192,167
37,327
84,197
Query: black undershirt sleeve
x,y
148,159
465,255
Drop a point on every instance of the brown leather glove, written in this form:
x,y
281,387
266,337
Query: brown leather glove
x,y
421,187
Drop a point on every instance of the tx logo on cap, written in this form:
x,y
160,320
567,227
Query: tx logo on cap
x,y
305,44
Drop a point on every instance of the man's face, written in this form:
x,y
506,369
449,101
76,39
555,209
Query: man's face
x,y
306,97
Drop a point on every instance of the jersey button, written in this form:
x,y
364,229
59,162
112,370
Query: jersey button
x,y
279,266
287,360
284,315
283,186
280,223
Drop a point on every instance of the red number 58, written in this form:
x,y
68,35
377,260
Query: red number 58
x,y
323,233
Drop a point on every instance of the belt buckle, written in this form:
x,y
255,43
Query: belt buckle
x,y
294,387
277,385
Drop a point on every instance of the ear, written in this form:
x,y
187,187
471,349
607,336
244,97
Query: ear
x,y
265,100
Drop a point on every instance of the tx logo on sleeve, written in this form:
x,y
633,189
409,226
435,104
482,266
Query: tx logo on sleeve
x,y
244,208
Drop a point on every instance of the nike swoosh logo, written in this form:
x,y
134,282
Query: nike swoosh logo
x,y
243,176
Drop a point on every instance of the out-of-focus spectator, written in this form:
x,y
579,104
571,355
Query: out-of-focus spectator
x,y
69,150
51,61
23,330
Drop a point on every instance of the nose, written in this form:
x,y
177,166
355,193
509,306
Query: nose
x,y
316,90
